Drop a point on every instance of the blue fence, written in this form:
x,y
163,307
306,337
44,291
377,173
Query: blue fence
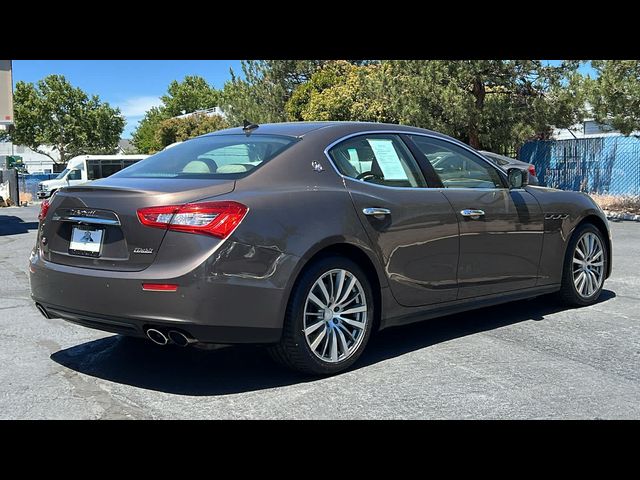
x,y
608,165
29,183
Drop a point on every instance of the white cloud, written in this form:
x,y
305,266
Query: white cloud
x,y
138,106
133,109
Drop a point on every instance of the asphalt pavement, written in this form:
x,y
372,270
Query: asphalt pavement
x,y
524,360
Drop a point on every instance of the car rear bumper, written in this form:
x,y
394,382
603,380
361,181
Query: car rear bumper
x,y
214,307
137,327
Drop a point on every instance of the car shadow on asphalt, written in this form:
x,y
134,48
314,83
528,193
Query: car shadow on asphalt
x,y
12,225
239,368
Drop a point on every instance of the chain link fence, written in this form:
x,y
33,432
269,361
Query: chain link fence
x,y
28,185
606,165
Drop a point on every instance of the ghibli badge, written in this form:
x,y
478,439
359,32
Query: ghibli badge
x,y
143,250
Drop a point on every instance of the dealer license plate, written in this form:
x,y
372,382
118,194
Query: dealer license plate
x,y
86,241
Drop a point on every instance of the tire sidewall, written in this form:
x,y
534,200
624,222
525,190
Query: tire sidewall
x,y
298,302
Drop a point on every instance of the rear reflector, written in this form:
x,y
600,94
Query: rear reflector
x,y
159,287
218,219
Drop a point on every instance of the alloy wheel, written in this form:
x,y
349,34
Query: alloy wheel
x,y
588,265
335,316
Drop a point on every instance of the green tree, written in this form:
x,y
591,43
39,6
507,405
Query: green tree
x,y
191,94
340,90
144,137
492,104
54,113
179,129
615,94
267,85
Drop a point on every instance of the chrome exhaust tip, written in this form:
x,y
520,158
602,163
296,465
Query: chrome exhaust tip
x,y
42,310
156,336
180,338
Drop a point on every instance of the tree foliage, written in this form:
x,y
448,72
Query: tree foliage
x,y
193,93
340,90
491,104
54,113
190,95
179,129
615,94
144,137
261,96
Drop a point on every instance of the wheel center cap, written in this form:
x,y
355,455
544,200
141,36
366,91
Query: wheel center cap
x,y
327,315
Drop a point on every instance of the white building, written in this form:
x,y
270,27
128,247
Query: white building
x,y
589,128
35,162
209,112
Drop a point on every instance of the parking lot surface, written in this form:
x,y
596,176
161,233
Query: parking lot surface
x,y
528,359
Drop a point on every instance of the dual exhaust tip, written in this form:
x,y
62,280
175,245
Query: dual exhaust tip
x,y
179,338
155,335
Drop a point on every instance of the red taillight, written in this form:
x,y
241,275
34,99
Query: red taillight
x,y
532,170
218,219
159,287
44,208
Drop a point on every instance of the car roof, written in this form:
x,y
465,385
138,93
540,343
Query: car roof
x,y
300,129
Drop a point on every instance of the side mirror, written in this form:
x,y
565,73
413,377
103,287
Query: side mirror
x,y
517,178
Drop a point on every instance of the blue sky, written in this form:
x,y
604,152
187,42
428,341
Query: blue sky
x,y
134,85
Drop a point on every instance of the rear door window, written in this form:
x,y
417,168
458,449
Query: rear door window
x,y
382,159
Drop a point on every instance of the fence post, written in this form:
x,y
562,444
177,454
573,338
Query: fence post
x,y
14,192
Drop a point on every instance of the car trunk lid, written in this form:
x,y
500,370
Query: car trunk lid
x,y
96,225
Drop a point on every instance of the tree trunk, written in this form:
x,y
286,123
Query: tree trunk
x,y
479,93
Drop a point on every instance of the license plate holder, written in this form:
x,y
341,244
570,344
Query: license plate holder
x,y
86,241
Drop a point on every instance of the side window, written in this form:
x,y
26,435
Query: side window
x,y
378,158
75,175
93,169
455,166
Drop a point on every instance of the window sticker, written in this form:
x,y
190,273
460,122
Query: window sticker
x,y
388,159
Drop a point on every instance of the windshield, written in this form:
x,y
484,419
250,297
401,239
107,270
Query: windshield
x,y
62,174
216,156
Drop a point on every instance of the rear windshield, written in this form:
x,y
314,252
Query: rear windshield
x,y
216,156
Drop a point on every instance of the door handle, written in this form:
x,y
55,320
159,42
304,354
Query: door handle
x,y
472,213
376,211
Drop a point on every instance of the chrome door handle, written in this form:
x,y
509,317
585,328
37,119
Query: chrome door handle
x,y
376,211
473,214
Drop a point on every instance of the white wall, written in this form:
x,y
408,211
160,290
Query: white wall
x,y
34,161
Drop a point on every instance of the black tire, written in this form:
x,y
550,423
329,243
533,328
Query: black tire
x,y
293,351
568,293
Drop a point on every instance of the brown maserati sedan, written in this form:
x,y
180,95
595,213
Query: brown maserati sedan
x,y
308,237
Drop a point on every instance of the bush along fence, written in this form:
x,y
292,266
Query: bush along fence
x,y
605,165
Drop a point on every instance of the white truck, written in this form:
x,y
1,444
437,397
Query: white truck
x,y
85,168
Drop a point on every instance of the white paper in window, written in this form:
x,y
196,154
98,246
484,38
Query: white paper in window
x,y
388,159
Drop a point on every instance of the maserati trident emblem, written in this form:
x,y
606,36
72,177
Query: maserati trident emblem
x,y
317,167
143,250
